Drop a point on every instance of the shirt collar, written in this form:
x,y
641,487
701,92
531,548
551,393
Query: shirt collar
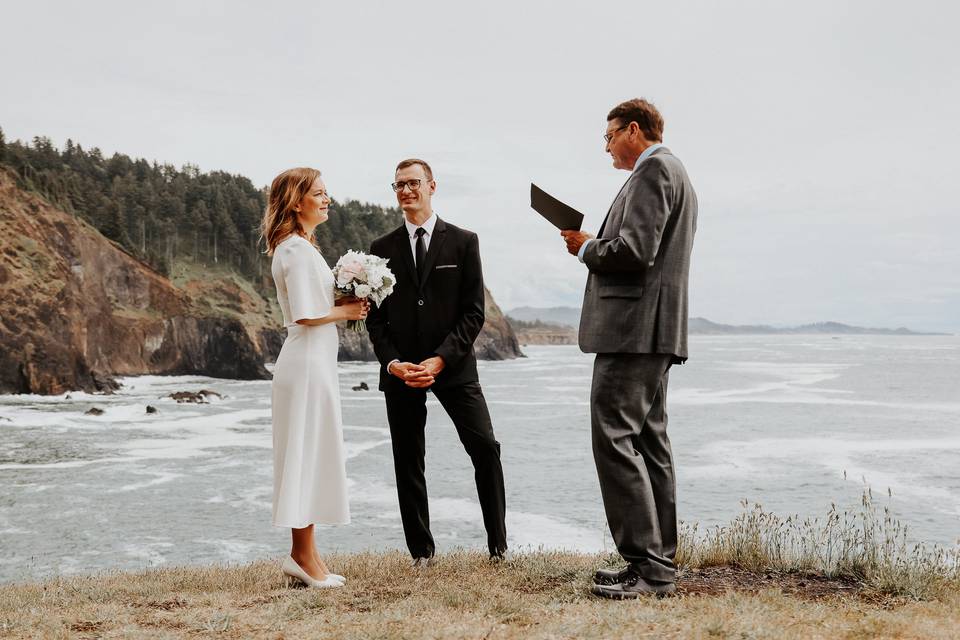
x,y
646,154
427,226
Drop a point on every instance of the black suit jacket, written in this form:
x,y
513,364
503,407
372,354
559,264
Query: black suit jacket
x,y
441,316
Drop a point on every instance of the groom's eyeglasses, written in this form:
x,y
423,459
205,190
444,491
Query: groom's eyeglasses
x,y
607,137
413,184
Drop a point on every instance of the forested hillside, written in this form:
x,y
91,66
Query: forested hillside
x,y
160,213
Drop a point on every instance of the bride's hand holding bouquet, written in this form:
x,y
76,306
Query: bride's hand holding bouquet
x,y
364,277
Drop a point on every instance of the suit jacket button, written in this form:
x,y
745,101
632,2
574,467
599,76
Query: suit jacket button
x,y
420,302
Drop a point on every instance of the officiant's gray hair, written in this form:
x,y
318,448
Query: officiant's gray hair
x,y
643,113
409,162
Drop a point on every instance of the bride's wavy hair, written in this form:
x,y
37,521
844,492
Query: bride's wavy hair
x,y
286,191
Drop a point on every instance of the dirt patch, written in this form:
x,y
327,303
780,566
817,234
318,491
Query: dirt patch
x,y
164,605
711,581
86,626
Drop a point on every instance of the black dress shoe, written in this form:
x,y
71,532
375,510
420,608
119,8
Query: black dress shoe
x,y
610,576
499,556
422,563
633,585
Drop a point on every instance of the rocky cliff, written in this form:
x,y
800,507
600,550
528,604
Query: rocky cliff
x,y
76,310
547,335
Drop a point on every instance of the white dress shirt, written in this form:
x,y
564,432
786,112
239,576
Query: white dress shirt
x,y
428,226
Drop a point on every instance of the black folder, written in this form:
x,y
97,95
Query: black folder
x,y
562,216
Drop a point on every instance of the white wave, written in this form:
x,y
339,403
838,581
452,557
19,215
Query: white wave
x,y
837,455
193,445
354,449
381,430
59,465
524,529
537,403
237,550
537,531
150,553
158,478
256,496
69,396
695,397
14,531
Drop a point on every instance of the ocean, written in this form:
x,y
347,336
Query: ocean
x,y
794,423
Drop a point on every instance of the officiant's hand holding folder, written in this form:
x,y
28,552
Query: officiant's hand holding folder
x,y
560,215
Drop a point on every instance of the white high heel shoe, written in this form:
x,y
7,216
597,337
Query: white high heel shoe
x,y
292,569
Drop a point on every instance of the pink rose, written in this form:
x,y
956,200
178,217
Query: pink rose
x,y
349,272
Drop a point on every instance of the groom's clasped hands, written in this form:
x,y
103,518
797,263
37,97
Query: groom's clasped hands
x,y
418,376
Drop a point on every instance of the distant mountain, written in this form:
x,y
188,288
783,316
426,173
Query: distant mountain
x,y
570,317
704,326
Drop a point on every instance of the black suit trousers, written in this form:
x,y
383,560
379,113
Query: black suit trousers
x,y
466,406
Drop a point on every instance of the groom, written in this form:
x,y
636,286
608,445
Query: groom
x,y
423,336
635,319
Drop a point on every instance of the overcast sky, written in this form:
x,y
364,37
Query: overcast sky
x,y
821,137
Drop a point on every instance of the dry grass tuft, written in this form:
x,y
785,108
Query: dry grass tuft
x,y
869,546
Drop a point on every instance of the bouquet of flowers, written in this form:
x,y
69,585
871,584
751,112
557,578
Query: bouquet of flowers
x,y
363,276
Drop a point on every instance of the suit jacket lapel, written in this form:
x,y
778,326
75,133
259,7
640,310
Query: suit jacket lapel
x,y
406,255
610,210
439,234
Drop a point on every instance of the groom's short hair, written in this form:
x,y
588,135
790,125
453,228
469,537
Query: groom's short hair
x,y
409,162
643,113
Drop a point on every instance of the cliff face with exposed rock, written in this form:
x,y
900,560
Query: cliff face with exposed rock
x,y
77,310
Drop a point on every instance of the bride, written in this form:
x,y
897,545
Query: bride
x,y
309,475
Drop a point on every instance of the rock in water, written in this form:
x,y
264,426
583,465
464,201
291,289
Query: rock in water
x,y
196,397
94,411
151,409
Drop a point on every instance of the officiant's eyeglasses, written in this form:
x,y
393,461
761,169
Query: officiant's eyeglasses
x,y
607,137
413,184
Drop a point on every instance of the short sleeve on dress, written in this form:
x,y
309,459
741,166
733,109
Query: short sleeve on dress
x,y
306,293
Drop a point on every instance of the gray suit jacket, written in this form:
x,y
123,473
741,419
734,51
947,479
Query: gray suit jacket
x,y
636,294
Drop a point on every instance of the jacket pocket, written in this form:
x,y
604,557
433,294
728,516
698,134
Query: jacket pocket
x,y
620,291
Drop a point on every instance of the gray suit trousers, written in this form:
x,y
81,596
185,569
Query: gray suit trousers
x,y
628,415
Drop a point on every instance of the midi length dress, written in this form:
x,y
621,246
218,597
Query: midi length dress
x,y
309,471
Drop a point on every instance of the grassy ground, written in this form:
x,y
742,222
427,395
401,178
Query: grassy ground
x,y
847,575
532,595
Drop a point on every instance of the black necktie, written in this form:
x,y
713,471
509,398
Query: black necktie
x,y
421,252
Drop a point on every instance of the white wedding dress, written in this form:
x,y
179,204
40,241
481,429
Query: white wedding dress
x,y
309,472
